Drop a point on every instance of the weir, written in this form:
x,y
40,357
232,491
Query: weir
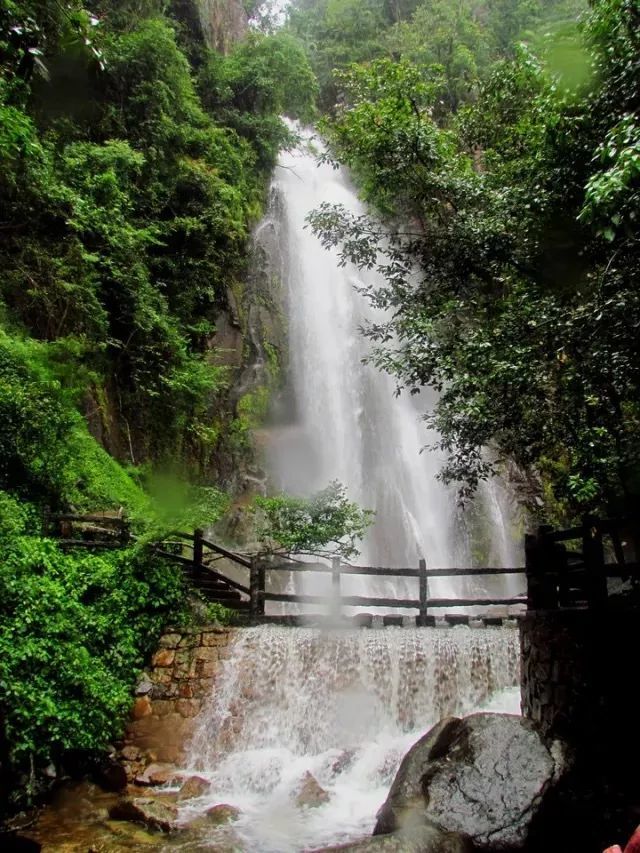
x,y
339,708
304,728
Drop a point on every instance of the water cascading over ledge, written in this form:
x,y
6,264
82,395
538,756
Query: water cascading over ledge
x,y
328,716
343,706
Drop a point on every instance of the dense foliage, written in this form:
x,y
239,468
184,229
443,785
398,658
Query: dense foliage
x,y
75,626
133,164
454,42
74,629
128,187
509,244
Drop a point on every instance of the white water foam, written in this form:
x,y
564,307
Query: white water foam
x,y
344,706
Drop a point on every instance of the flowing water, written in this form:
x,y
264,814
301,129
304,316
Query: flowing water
x,y
340,419
344,706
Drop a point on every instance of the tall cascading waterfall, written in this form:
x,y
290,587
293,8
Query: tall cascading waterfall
x,y
344,705
341,419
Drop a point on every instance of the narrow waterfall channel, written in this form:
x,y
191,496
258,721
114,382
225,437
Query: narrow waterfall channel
x,y
344,706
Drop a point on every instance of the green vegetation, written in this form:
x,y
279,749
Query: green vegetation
x,y
133,164
74,630
455,43
498,143
520,212
327,524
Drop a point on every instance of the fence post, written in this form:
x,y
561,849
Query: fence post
x,y
254,587
561,561
198,550
124,530
424,592
335,587
534,567
593,555
261,586
543,565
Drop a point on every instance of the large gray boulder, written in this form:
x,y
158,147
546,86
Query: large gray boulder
x,y
485,776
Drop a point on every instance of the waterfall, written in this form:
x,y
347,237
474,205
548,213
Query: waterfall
x,y
339,418
344,706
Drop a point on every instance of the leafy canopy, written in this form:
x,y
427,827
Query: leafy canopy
x,y
508,243
327,524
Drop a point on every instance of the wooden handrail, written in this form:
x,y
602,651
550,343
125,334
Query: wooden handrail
x,y
378,571
185,561
218,549
236,558
115,519
361,600
556,576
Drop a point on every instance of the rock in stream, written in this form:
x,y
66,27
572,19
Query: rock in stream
x,y
486,776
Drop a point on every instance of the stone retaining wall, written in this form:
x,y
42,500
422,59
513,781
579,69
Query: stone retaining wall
x,y
578,673
172,692
578,684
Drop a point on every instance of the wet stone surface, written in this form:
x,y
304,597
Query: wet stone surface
x,y
486,776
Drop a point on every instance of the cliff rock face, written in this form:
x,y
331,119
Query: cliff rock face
x,y
223,22
219,23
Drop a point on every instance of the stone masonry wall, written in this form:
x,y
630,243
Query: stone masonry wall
x,y
172,693
578,674
578,684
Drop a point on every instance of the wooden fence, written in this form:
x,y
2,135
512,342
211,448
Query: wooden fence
x,y
570,568
335,599
563,568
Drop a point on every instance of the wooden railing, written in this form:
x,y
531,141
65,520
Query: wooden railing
x,y
564,568
335,600
92,530
570,568
204,554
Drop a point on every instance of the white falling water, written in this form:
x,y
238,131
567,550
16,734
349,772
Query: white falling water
x,y
344,706
342,420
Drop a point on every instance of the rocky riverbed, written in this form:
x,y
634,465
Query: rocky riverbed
x,y
480,783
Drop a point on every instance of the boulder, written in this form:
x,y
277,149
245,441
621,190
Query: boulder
x,y
148,811
156,774
222,813
131,753
343,762
10,843
111,775
485,776
310,794
194,786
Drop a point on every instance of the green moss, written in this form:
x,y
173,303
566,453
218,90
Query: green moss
x,y
253,407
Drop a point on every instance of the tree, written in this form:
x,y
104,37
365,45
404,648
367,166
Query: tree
x,y
449,39
509,246
326,525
